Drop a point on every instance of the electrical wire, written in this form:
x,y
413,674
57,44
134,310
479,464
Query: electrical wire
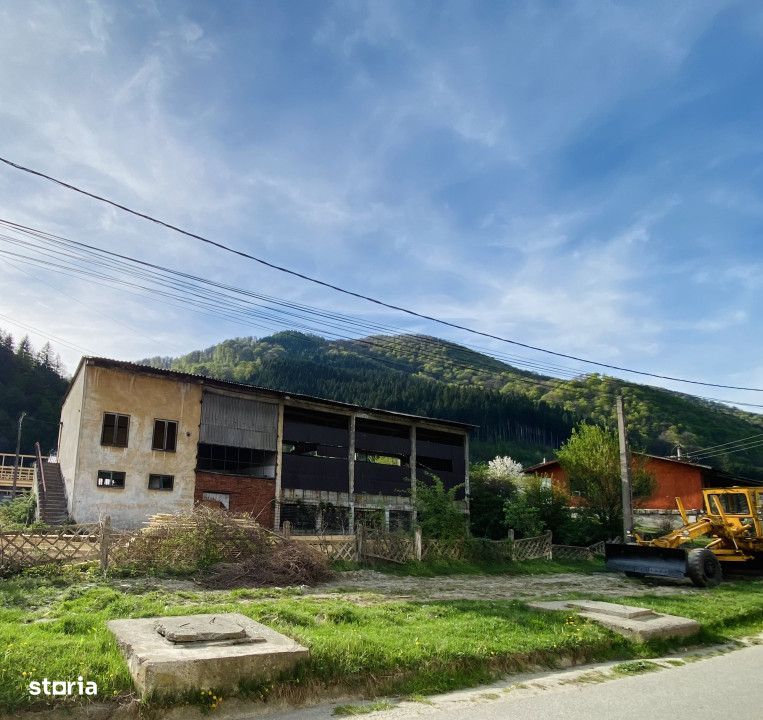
x,y
351,293
236,310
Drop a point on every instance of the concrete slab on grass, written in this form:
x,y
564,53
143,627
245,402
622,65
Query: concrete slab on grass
x,y
632,622
195,652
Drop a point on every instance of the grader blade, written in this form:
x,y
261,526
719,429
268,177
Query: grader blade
x,y
645,560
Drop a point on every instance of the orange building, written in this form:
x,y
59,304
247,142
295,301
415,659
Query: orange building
x,y
675,478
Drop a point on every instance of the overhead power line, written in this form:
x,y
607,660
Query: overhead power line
x,y
728,451
351,293
207,297
702,451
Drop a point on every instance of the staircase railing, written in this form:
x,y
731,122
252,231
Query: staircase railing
x,y
40,471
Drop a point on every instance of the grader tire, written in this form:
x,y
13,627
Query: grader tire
x,y
703,568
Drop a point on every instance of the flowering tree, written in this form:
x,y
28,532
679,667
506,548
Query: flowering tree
x,y
505,468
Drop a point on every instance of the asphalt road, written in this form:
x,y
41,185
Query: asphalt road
x,y
715,688
712,688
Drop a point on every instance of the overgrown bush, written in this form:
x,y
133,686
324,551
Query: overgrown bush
x,y
488,494
439,514
220,549
18,513
540,507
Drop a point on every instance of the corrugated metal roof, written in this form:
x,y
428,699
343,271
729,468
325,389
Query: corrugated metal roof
x,y
244,387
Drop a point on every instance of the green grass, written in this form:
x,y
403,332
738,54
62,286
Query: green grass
x,y
55,628
349,710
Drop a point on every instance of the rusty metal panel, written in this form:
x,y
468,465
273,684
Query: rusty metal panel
x,y
238,422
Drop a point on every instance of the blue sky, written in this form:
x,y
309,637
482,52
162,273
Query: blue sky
x,y
585,176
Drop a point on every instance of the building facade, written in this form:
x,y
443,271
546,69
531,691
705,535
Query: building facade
x,y
136,440
673,478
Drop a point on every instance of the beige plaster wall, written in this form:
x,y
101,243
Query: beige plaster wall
x,y
144,398
68,439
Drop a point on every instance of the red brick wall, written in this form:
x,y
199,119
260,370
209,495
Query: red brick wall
x,y
673,480
250,495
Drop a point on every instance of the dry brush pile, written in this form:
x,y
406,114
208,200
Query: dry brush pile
x,y
220,550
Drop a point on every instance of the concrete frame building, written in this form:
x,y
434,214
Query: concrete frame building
x,y
135,440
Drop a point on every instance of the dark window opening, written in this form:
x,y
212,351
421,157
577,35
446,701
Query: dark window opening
x,y
161,482
434,465
400,521
236,461
302,516
165,435
335,520
376,427
370,519
110,479
115,429
314,417
379,459
443,438
310,449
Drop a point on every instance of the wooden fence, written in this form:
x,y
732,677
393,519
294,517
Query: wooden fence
x,y
574,552
65,544
373,545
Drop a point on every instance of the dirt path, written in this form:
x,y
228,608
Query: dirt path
x,y
493,587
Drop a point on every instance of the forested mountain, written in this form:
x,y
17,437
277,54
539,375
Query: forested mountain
x,y
518,412
30,381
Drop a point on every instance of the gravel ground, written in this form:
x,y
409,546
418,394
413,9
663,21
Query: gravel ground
x,y
494,587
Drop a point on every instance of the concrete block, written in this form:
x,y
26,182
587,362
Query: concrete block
x,y
195,652
642,629
635,623
605,608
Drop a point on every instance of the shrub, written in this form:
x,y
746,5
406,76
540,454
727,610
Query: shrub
x,y
18,513
439,515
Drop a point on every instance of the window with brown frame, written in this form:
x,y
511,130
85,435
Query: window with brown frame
x,y
165,435
115,430
161,482
110,479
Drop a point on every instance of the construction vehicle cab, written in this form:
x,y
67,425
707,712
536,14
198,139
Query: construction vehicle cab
x,y
732,522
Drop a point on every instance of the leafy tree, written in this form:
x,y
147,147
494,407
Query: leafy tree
x,y
439,514
488,493
537,508
591,459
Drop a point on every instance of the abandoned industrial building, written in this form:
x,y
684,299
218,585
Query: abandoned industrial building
x,y
135,440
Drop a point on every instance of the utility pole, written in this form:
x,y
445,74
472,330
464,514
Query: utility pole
x,y
16,460
625,472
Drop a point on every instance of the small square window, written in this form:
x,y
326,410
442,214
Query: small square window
x,y
165,435
115,429
110,479
161,482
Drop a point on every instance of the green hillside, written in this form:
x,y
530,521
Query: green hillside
x,y
518,412
30,381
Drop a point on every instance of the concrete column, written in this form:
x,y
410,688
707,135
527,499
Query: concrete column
x,y
413,472
386,519
351,472
279,466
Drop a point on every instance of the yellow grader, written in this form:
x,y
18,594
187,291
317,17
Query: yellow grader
x,y
733,524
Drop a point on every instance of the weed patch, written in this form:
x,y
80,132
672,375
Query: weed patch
x,y
349,710
635,667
